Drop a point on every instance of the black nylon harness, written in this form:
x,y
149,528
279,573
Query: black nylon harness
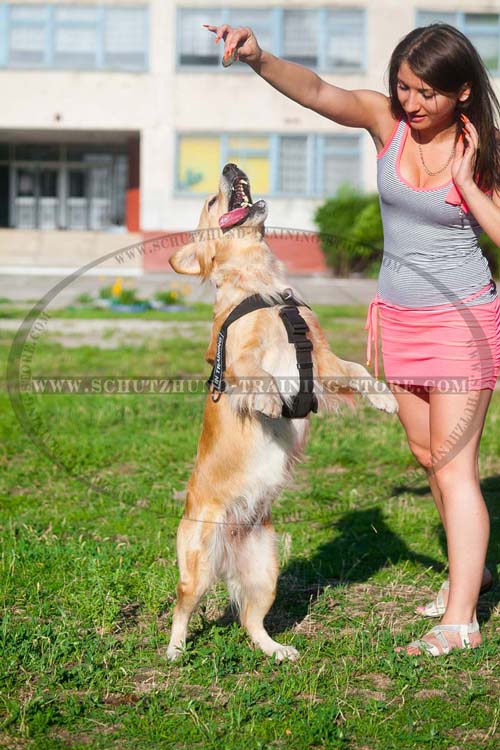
x,y
304,401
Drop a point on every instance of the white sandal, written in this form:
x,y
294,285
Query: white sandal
x,y
437,607
444,647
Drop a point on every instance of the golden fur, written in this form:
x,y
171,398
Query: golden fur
x,y
247,449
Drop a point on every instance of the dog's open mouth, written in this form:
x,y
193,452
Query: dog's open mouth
x,y
240,202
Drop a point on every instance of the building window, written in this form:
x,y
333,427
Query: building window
x,y
293,175
27,36
252,155
81,37
328,39
300,37
340,160
277,165
345,37
483,29
196,45
75,37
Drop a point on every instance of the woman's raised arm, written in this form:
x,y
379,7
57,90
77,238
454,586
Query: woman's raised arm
x,y
358,109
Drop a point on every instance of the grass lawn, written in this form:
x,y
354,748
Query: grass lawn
x,y
90,502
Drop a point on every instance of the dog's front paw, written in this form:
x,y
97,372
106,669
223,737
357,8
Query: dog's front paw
x,y
174,652
286,652
384,402
269,404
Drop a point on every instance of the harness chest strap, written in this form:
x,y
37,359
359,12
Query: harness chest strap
x,y
305,400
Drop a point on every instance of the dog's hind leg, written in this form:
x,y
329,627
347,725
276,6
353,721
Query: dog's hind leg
x,y
252,580
196,574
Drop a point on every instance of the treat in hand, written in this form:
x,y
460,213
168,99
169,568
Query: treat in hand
x,y
229,58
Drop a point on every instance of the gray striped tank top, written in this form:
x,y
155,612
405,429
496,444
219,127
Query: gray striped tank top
x,y
431,251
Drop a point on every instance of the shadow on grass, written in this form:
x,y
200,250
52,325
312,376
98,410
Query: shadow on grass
x,y
490,487
363,545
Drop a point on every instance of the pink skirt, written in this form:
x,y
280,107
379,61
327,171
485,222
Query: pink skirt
x,y
454,348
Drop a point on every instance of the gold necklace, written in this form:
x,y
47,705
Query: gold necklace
x,y
428,171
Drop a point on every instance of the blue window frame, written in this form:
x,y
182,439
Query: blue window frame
x,y
326,39
75,37
278,165
483,29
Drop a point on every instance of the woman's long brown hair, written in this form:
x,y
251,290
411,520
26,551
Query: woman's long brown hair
x,y
446,60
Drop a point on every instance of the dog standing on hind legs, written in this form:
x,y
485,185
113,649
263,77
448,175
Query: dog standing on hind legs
x,y
251,436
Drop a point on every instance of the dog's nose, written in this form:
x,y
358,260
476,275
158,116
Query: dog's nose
x,y
228,168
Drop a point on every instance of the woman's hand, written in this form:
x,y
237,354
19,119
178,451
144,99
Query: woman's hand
x,y
240,41
462,166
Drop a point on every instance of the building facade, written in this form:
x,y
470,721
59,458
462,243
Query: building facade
x,y
118,116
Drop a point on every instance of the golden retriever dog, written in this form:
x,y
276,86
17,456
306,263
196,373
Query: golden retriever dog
x,y
247,447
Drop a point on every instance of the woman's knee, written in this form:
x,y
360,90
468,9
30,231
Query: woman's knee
x,y
421,453
453,475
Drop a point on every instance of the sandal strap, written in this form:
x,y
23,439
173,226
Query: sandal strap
x,y
436,607
463,630
443,646
429,648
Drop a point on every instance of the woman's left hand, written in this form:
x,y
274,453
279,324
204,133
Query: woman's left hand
x,y
462,166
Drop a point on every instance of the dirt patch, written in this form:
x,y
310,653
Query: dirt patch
x,y
367,694
381,681
422,694
386,602
308,626
148,680
309,697
211,693
70,739
333,470
12,743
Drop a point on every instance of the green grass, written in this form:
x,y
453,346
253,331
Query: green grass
x,y
87,579
199,311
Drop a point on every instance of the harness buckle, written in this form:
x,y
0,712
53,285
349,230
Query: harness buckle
x,y
216,393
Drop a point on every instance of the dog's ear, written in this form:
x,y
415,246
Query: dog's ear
x,y
186,260
195,258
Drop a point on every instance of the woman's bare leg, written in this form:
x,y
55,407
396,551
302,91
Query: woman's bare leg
x,y
414,416
457,422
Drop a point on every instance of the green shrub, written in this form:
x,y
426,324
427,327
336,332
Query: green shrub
x,y
351,232
492,254
171,297
84,299
106,292
127,297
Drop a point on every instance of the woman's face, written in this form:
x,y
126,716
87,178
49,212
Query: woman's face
x,y
423,106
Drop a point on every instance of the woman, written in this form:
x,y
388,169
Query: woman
x,y
439,183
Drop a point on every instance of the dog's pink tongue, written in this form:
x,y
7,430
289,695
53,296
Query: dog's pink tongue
x,y
232,217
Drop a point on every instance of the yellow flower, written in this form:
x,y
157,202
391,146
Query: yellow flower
x,y
117,287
